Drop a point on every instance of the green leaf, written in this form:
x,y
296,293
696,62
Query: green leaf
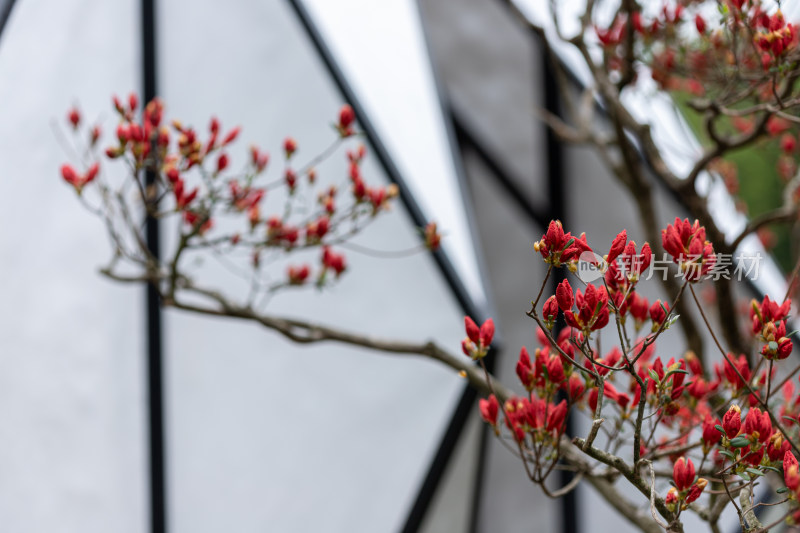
x,y
773,346
676,371
744,476
755,472
569,243
740,442
727,454
782,490
720,429
653,375
674,318
767,467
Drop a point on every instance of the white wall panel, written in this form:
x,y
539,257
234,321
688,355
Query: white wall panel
x,y
71,384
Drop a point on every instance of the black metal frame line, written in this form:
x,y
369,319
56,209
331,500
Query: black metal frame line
x,y
469,138
155,386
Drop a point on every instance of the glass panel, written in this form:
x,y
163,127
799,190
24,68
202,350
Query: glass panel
x,y
71,377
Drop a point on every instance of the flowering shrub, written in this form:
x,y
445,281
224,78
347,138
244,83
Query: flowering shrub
x,y
221,210
727,426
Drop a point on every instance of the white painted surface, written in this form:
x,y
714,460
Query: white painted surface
x,y
71,392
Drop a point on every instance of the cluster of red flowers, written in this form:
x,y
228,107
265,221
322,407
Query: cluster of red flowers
x,y
769,326
687,245
79,181
686,489
558,247
775,37
478,339
568,371
662,34
195,172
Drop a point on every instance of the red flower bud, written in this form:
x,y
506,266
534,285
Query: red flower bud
x,y
694,363
575,387
784,347
487,332
658,313
556,416
671,499
683,474
489,409
222,162
69,174
91,174
258,158
95,134
754,457
732,421
730,371
172,175
550,309
788,460
298,275
564,296
555,369
332,260
123,133
74,117
231,136
791,476
700,23
525,369
473,332
788,143
467,347
291,179
346,117
777,446
696,490
643,260
617,246
758,424
118,105
289,147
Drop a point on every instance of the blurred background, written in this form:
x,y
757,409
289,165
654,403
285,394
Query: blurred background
x,y
260,434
